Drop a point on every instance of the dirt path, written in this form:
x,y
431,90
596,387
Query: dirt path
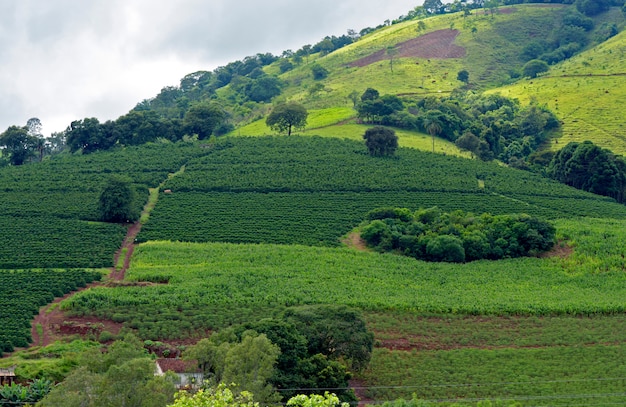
x,y
51,316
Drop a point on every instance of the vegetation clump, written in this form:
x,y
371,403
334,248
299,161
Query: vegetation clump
x,y
117,201
457,237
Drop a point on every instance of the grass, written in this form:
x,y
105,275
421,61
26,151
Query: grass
x,y
596,77
333,125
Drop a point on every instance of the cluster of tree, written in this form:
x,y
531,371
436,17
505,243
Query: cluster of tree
x,y
22,144
565,40
17,394
489,126
433,235
122,375
591,168
309,347
431,7
202,119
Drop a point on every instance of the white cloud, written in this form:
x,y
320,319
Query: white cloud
x,y
64,60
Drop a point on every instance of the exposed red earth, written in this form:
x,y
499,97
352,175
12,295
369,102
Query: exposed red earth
x,y
436,45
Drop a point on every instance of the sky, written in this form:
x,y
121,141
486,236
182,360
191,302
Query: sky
x,y
64,60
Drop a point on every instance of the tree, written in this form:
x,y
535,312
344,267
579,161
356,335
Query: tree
x,y
316,400
434,127
370,94
534,67
89,135
117,201
468,142
335,331
381,141
287,116
463,76
220,396
319,72
203,118
19,145
391,54
433,6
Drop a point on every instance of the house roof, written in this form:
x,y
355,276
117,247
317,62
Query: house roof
x,y
178,365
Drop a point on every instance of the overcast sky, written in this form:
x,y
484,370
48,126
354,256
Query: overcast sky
x,y
63,60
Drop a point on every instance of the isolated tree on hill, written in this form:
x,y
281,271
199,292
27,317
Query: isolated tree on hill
x,y
463,76
117,201
433,6
287,116
19,145
534,67
319,72
381,141
391,54
203,118
434,127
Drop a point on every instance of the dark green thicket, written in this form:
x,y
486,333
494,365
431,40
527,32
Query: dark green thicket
x,y
433,235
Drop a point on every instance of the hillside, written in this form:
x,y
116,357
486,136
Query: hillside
x,y
585,92
244,233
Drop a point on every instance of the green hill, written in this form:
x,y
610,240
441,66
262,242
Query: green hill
x,y
248,225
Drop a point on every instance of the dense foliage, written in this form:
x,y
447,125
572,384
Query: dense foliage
x,y
433,235
381,141
501,127
18,394
591,168
121,375
23,292
286,117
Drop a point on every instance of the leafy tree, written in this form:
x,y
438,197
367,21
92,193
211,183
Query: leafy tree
x,y
588,167
592,7
263,89
287,116
391,52
463,76
203,118
117,202
534,67
220,396
19,144
250,362
370,94
316,400
433,6
285,65
434,127
88,135
335,331
123,376
468,142
381,141
319,72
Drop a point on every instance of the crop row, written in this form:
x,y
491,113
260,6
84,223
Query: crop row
x,y
305,218
207,279
522,377
38,242
23,292
315,164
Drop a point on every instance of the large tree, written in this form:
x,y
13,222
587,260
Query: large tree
x,y
381,141
18,144
89,135
287,116
203,118
117,201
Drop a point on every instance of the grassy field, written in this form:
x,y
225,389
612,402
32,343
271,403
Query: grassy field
x,y
595,77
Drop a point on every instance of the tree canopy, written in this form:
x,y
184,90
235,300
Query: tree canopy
x,y
287,116
117,202
19,144
381,141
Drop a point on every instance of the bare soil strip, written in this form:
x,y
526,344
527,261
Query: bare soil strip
x,y
436,45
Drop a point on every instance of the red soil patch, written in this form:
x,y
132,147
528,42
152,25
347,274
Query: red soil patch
x,y
560,250
437,44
